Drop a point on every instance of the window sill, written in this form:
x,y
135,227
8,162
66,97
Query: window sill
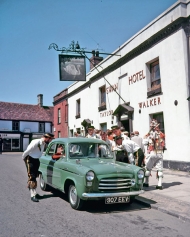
x,y
100,108
77,116
154,92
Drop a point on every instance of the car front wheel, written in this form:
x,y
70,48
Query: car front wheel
x,y
75,202
43,184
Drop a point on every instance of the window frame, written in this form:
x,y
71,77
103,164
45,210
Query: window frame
x,y
102,98
155,116
59,116
78,108
151,78
43,130
14,127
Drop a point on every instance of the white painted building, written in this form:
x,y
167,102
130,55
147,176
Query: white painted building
x,y
152,77
20,123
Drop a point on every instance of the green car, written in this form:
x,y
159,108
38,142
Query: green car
x,y
86,169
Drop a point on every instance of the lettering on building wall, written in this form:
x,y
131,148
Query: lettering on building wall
x,y
150,103
136,77
106,113
112,88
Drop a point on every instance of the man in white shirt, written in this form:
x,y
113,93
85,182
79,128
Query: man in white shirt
x,y
137,139
31,158
91,133
117,131
132,149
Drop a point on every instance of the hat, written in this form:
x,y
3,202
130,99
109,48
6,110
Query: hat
x,y
118,137
122,129
50,135
91,127
115,127
125,132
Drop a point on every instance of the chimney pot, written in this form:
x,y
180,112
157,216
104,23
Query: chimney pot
x,y
40,100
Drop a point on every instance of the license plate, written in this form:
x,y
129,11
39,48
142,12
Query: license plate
x,y
112,200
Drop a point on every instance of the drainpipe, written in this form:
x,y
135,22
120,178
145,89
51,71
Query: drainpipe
x,y
187,31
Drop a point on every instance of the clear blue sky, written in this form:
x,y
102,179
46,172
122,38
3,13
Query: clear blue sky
x,y
28,27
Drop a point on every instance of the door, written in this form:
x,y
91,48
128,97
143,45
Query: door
x,y
25,143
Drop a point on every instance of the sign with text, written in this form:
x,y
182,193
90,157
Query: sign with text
x,y
72,68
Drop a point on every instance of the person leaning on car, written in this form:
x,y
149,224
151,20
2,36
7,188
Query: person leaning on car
x,y
31,158
132,149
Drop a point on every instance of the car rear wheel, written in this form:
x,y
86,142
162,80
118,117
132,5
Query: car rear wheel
x,y
43,185
75,202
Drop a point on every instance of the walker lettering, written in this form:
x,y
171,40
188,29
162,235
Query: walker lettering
x,y
136,77
149,103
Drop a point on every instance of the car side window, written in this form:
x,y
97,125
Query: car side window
x,y
60,149
51,150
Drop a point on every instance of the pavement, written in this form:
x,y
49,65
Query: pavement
x,y
174,198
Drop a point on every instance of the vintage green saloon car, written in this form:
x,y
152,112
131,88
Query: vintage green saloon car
x,y
86,169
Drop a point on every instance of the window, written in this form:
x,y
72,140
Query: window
x,y
71,133
160,118
42,127
90,150
155,75
59,116
78,108
51,150
59,134
155,79
102,96
15,126
103,127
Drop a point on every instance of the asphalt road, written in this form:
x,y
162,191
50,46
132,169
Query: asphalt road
x,y
53,216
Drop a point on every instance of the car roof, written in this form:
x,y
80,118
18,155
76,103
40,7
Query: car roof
x,y
78,139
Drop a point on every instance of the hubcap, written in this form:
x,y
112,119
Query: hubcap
x,y
73,195
41,182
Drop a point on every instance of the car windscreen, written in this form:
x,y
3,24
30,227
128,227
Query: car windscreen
x,y
90,150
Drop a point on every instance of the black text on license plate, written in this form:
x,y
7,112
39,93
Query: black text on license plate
x,y
112,200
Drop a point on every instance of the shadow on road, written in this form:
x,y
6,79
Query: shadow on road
x,y
165,185
99,207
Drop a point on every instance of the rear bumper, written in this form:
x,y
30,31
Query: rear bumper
x,y
102,195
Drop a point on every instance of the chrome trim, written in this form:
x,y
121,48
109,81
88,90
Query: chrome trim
x,y
111,185
115,183
114,180
102,195
122,187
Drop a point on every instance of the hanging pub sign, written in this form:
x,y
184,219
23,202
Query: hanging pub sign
x,y
72,68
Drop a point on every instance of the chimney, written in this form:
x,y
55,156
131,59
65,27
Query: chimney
x,y
40,100
95,59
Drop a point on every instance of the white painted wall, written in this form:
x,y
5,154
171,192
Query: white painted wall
x,y
172,54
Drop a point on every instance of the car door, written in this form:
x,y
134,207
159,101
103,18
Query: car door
x,y
59,160
51,162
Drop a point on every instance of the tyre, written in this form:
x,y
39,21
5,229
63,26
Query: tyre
x,y
132,199
74,200
43,185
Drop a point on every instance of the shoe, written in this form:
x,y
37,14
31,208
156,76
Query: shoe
x,y
34,199
159,187
145,185
38,196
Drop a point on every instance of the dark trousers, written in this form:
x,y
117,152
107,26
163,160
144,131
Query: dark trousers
x,y
139,157
32,166
122,157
